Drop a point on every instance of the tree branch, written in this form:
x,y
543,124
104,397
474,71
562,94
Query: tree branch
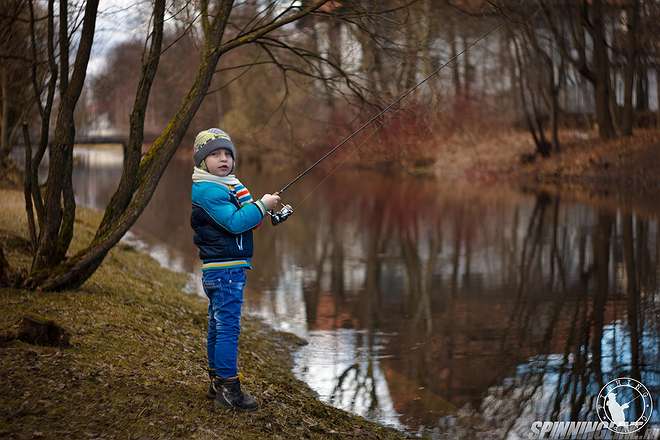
x,y
27,187
45,120
133,149
255,34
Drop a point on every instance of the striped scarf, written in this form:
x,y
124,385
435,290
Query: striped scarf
x,y
231,181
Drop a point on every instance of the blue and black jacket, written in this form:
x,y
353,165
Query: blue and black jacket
x,y
222,227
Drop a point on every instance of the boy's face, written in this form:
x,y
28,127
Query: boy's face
x,y
219,162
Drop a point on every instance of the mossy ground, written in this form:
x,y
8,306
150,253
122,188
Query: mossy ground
x,y
136,368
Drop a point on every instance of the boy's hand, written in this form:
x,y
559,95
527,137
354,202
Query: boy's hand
x,y
270,200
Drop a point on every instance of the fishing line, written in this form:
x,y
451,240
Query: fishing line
x,y
341,162
287,210
388,107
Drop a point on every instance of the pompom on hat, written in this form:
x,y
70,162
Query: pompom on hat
x,y
207,141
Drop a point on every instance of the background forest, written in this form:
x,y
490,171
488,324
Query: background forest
x,y
547,65
288,79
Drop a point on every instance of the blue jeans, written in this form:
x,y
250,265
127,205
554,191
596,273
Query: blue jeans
x,y
224,288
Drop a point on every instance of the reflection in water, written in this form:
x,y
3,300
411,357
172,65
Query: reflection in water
x,y
440,311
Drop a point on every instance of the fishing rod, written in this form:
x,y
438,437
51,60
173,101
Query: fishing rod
x,y
284,213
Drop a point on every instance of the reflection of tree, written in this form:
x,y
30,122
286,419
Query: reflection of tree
x,y
601,252
546,303
419,273
577,327
633,293
548,273
312,291
456,256
581,371
544,310
373,249
572,373
571,370
337,261
358,381
530,254
525,389
376,242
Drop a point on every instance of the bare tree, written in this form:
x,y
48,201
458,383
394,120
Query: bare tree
x,y
52,269
222,27
15,95
539,81
632,30
579,28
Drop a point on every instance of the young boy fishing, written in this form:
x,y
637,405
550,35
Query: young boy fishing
x,y
223,216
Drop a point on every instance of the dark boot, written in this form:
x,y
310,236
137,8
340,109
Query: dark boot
x,y
212,392
229,395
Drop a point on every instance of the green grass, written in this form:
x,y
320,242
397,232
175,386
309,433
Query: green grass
x,y
137,365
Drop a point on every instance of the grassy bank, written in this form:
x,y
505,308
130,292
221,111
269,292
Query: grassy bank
x,y
136,365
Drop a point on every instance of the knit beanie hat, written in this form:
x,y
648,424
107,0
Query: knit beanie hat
x,y
207,141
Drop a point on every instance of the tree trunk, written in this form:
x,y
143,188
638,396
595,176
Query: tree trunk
x,y
334,54
74,272
657,96
413,47
57,231
27,187
467,68
335,41
602,73
642,90
133,148
455,68
629,70
555,119
369,63
45,114
5,130
533,116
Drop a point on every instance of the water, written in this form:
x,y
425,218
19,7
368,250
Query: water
x,y
451,312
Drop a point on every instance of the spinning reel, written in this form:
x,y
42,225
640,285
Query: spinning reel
x,y
278,217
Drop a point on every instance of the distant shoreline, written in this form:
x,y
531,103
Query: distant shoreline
x,y
623,171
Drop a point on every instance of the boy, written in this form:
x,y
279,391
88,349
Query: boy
x,y
223,216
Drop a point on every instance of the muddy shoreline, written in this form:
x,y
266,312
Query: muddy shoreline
x,y
621,172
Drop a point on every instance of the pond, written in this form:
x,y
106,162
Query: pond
x,y
444,311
